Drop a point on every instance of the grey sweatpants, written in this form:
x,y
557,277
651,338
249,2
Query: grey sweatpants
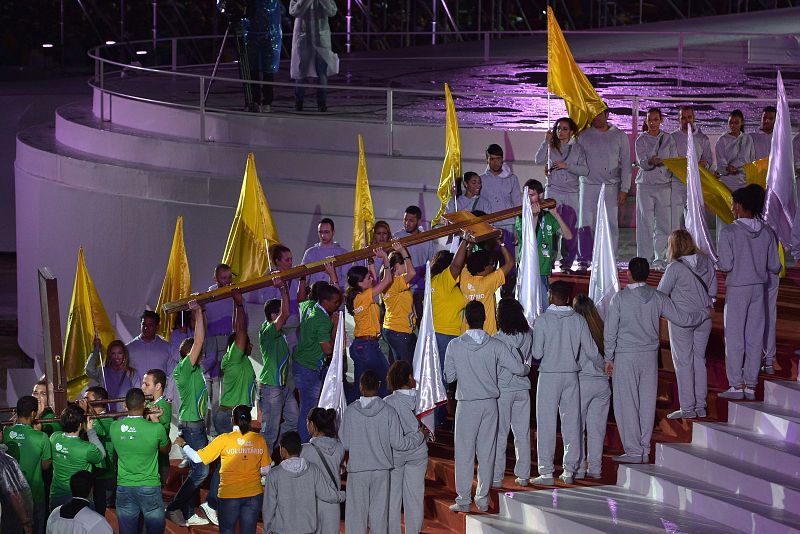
x,y
595,399
514,412
367,502
407,488
745,317
653,214
772,318
678,206
635,382
475,434
688,347
587,217
558,394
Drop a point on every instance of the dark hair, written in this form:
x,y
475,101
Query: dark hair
x,y
272,306
134,399
291,442
475,314
41,382
461,186
27,406
478,261
316,287
655,110
494,150
355,275
370,381
511,317
159,377
399,375
186,346
536,185
584,306
555,142
242,418
560,291
151,314
328,221
72,418
99,392
751,198
221,267
381,224
395,258
415,211
81,484
324,420
686,108
769,109
277,251
738,113
441,261
639,268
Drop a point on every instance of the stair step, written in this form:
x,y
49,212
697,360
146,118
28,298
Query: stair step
x,y
748,446
740,513
492,524
765,418
750,480
783,393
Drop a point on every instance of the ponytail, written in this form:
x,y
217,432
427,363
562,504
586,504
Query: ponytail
x,y
242,418
324,420
355,275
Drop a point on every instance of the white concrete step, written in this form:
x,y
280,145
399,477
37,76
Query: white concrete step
x,y
783,393
750,447
779,490
766,419
492,524
739,513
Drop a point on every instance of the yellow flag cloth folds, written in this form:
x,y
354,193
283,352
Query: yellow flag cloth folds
x,y
566,79
755,172
252,231
451,168
363,213
87,316
716,196
177,281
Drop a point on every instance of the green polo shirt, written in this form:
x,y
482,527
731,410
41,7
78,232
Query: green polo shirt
x,y
136,441
238,379
275,353
191,386
70,455
49,428
106,468
30,448
166,412
546,232
315,328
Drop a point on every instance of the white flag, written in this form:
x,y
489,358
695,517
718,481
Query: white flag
x,y
604,281
332,394
781,205
427,369
695,205
529,282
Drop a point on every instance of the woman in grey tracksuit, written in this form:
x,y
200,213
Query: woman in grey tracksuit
x,y
326,452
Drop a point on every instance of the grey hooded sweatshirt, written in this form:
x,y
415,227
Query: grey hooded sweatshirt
x,y
521,347
475,364
405,406
633,319
748,251
661,146
560,335
564,180
681,282
371,433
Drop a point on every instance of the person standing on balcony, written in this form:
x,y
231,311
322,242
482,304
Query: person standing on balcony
x,y
262,40
312,56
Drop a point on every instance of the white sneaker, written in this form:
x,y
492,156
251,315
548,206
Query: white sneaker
x,y
749,394
211,514
732,393
543,480
567,477
197,521
521,481
185,463
176,516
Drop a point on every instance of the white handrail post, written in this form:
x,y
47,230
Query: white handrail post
x,y
102,96
635,117
487,36
202,108
389,122
174,54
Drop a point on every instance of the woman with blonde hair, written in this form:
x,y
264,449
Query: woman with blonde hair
x,y
115,373
690,281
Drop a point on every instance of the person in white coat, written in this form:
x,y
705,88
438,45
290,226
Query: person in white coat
x,y
312,56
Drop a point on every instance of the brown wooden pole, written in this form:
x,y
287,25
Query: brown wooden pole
x,y
53,348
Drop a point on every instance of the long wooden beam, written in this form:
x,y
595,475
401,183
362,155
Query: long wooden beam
x,y
300,271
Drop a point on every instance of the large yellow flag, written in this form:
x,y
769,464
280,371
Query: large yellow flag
x,y
716,196
451,168
566,79
87,317
252,231
363,214
177,282
755,172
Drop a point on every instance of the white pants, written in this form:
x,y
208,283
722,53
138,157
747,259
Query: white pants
x,y
745,316
595,400
407,489
367,502
513,412
635,382
688,347
558,394
475,431
652,221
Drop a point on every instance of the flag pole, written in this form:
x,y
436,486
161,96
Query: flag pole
x,y
269,260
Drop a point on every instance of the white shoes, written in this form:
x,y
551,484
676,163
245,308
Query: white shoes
x,y
543,480
197,521
680,414
749,394
567,477
521,481
732,393
211,514
628,459
464,508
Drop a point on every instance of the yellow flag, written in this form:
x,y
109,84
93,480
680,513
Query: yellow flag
x,y
177,282
566,79
87,316
363,214
252,231
755,172
716,196
451,168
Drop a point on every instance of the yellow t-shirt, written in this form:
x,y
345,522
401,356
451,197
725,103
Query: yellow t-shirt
x,y
399,303
483,288
366,314
447,303
242,458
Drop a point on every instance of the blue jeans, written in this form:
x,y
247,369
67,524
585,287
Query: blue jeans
x,y
442,340
309,384
366,354
186,498
545,290
277,401
245,509
322,79
135,500
223,424
402,345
